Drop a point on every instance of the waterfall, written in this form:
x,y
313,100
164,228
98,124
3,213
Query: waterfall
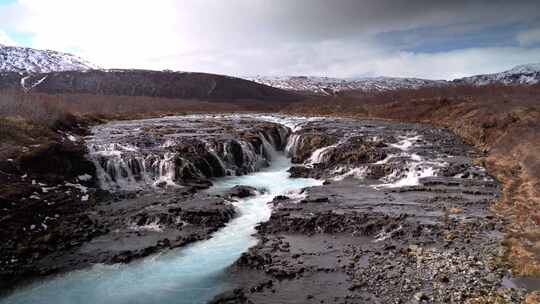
x,y
218,159
145,160
167,170
132,171
269,147
320,155
292,144
284,133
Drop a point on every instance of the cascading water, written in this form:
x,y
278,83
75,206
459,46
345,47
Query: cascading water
x,y
193,274
168,151
319,155
292,144
417,167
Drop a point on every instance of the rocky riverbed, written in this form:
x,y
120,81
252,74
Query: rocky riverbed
x,y
135,190
402,216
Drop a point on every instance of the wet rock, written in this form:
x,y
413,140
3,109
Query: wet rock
x,y
303,145
380,171
231,297
315,200
354,151
299,171
200,184
242,191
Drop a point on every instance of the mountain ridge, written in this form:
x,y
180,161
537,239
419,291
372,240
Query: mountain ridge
x,y
525,74
39,69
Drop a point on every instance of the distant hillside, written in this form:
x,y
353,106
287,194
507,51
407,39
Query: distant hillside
x,y
329,86
146,83
520,75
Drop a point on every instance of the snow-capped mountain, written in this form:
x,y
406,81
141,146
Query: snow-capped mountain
x,y
521,74
526,74
28,60
27,63
326,85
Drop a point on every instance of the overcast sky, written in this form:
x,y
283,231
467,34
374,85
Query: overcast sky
x,y
340,38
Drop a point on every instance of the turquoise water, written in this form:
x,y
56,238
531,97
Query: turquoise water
x,y
194,274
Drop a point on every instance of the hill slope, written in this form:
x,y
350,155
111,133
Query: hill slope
x,y
146,83
527,74
28,60
329,86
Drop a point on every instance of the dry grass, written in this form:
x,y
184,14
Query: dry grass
x,y
25,121
46,109
30,119
29,108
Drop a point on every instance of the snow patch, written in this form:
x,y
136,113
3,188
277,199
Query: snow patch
x,y
329,86
28,60
527,74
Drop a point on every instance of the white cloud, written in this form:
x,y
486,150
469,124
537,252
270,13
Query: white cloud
x,y
246,37
5,39
112,33
529,37
454,64
345,60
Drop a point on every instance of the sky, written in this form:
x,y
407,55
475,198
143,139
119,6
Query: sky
x,y
335,38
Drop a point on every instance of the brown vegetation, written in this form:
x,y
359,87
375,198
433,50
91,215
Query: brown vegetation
x,y
46,109
32,120
501,120
26,121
